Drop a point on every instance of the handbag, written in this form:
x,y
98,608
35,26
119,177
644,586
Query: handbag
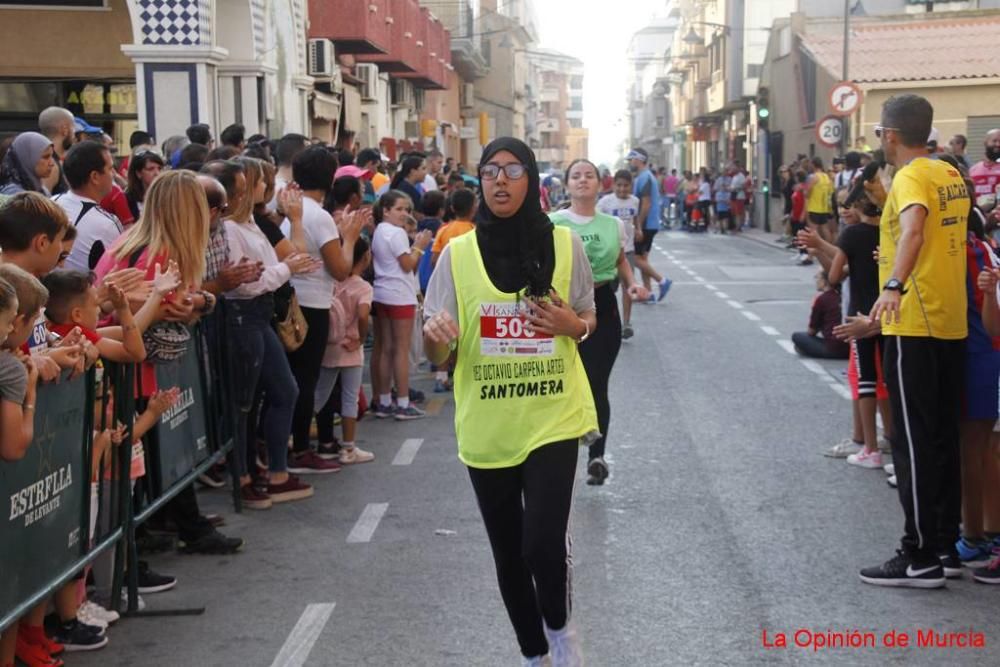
x,y
292,329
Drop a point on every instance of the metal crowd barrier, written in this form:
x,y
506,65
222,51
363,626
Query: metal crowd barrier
x,y
45,535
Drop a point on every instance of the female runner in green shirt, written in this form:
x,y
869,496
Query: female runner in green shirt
x,y
605,250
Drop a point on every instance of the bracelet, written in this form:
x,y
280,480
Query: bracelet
x,y
417,249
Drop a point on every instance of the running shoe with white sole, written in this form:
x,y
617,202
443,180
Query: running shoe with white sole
x,y
891,481
90,613
627,332
904,572
384,411
890,469
843,449
76,636
974,554
409,413
564,647
866,459
352,455
951,565
989,574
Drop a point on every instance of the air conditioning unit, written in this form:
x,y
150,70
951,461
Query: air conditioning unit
x,y
402,93
368,74
467,96
412,130
321,60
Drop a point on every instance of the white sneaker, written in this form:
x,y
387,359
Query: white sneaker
x,y
92,613
537,661
891,481
349,455
890,469
864,459
564,647
843,449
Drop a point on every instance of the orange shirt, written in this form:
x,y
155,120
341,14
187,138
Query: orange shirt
x,y
450,231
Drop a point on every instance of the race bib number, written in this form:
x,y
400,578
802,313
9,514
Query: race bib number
x,y
38,341
503,331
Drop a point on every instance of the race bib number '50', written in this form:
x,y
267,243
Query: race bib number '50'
x,y
503,331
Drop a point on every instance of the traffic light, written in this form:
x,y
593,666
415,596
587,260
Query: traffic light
x,y
763,109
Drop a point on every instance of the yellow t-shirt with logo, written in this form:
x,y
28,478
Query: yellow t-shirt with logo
x,y
935,301
820,195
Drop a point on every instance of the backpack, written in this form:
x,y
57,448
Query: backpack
x,y
338,328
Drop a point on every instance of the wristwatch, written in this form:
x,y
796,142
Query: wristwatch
x,y
894,285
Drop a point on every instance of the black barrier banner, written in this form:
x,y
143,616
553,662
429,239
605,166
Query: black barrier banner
x,y
183,430
43,495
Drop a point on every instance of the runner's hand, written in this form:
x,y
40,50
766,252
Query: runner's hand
x,y
887,306
441,329
553,317
638,292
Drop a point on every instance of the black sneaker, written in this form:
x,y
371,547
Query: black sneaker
x,y
990,574
952,565
213,543
154,544
903,571
77,636
597,470
328,450
152,582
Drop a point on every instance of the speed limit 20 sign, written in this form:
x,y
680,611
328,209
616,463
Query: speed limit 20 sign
x,y
830,131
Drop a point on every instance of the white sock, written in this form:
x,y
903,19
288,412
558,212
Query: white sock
x,y
403,402
385,400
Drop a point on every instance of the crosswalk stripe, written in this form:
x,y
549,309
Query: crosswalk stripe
x,y
367,523
300,642
407,451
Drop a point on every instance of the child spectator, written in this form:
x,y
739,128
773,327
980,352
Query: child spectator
x,y
624,205
824,317
463,204
18,377
395,302
433,207
345,357
74,302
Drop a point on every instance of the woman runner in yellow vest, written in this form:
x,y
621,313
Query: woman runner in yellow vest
x,y
603,239
514,298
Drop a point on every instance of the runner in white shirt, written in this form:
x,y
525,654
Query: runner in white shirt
x,y
624,205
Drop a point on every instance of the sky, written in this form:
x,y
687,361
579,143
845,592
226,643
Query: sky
x,y
587,30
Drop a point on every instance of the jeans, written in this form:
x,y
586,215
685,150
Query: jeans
x,y
259,357
526,512
305,363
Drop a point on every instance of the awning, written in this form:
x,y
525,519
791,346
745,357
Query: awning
x,y
352,109
326,106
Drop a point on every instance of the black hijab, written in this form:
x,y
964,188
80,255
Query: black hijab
x,y
518,251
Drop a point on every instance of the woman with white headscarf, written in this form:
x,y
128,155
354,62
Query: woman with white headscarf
x,y
27,164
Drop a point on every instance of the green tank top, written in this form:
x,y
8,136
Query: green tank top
x,y
601,239
515,390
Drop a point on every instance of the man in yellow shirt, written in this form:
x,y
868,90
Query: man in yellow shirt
x,y
922,308
819,201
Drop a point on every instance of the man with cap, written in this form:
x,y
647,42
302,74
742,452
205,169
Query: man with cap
x,y
647,221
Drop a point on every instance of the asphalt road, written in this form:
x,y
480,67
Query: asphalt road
x,y
721,520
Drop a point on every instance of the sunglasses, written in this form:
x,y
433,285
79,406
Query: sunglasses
x,y
513,171
880,130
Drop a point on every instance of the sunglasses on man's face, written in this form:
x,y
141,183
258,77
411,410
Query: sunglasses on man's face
x,y
880,130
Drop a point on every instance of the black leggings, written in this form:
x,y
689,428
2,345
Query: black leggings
x,y
526,512
305,363
598,354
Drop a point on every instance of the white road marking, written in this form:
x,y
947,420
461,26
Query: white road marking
x,y
367,523
788,346
753,317
845,392
700,279
407,451
814,366
690,272
735,304
712,287
770,331
722,295
299,644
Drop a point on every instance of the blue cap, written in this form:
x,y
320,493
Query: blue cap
x,y
83,126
